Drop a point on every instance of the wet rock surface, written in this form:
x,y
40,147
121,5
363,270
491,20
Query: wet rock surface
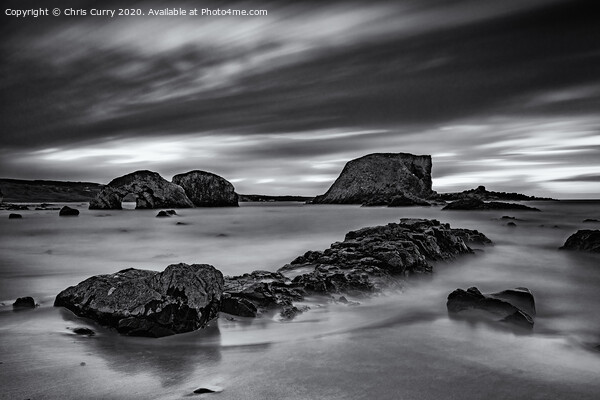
x,y
137,302
584,240
206,189
150,189
366,262
476,204
515,306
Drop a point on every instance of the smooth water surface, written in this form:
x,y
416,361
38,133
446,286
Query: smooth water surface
x,y
395,346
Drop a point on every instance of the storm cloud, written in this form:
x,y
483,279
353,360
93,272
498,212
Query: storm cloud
x,y
503,94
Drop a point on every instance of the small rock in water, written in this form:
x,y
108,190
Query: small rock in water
x,y
591,220
208,389
162,214
82,364
507,217
24,302
343,300
15,216
181,223
84,331
290,312
171,212
511,224
67,211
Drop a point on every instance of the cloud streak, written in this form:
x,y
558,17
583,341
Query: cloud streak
x,y
279,103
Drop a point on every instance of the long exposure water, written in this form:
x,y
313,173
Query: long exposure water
x,y
394,346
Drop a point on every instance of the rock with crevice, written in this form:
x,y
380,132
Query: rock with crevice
x,y
137,302
150,189
206,189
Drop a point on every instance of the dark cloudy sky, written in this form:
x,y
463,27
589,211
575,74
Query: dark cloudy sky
x,y
501,93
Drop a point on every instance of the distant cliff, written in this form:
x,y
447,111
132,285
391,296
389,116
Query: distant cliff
x,y
17,190
381,176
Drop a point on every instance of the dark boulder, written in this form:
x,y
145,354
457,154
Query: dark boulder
x,y
67,211
516,306
136,302
584,240
206,189
163,214
84,331
149,188
24,302
15,216
378,178
588,220
477,204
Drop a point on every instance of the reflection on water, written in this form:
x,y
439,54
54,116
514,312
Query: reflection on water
x,y
395,345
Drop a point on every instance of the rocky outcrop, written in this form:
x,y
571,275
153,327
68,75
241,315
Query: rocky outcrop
x,y
67,211
584,240
481,193
366,262
381,176
136,302
515,306
24,302
206,189
476,204
151,191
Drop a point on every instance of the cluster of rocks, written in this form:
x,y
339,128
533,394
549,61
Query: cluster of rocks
x,y
515,306
184,297
192,189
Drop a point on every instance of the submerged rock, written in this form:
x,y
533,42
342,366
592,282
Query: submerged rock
x,y
150,189
476,204
67,211
206,189
584,240
379,178
24,302
516,306
136,302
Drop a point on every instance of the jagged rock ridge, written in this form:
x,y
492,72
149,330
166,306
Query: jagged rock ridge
x,y
381,176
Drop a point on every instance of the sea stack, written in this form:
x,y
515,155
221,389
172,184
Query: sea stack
x,y
206,189
150,189
381,176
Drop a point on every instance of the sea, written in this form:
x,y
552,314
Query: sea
x,y
398,345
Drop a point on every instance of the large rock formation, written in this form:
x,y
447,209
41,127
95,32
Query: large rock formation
x,y
381,176
151,191
584,240
136,302
367,261
206,189
516,306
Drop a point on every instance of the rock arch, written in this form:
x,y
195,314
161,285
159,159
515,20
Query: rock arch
x,y
151,191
